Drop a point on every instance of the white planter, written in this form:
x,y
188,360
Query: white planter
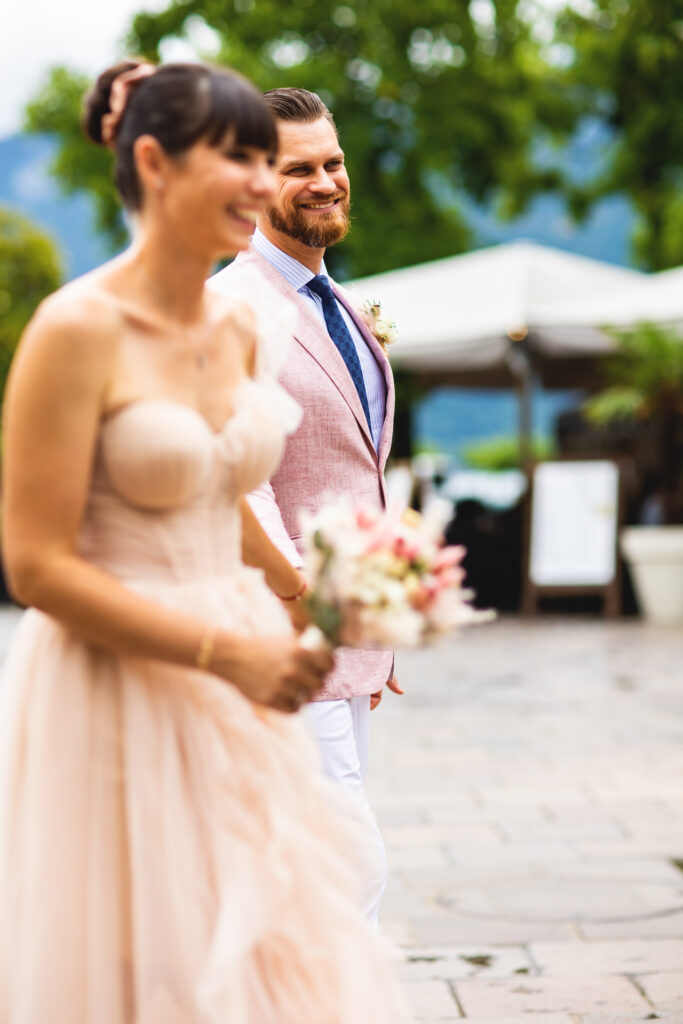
x,y
655,557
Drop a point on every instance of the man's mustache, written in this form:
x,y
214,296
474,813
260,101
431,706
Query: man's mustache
x,y
326,199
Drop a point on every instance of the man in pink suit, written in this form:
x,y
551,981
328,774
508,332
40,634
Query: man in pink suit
x,y
339,374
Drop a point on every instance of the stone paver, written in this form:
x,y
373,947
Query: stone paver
x,y
631,956
432,1001
665,991
529,786
543,995
530,790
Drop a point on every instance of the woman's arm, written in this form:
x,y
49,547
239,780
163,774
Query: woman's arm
x,y
282,577
258,550
55,397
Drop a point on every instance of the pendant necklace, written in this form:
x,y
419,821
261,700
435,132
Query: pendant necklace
x,y
195,340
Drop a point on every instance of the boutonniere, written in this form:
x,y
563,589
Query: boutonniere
x,y
384,330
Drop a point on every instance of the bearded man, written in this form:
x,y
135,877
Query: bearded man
x,y
339,374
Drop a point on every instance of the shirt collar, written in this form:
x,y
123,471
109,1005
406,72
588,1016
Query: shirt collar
x,y
294,272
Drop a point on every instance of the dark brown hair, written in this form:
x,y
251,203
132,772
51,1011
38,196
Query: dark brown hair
x,y
297,105
179,105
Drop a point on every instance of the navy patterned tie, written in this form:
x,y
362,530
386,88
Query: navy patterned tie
x,y
340,335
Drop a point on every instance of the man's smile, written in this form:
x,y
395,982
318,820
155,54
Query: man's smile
x,y
321,204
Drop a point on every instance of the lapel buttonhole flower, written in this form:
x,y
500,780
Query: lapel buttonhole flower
x,y
383,329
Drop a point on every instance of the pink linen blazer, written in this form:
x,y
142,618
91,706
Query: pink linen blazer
x,y
331,452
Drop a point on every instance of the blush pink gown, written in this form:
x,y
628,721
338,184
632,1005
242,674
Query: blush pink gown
x,y
168,851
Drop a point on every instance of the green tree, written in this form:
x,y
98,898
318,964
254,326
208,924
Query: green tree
x,y
627,69
30,268
77,165
644,383
433,100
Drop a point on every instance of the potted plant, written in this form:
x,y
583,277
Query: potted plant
x,y
645,384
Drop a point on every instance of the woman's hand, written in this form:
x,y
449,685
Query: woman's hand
x,y
272,670
298,614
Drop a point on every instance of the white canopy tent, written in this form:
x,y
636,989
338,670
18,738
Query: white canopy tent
x,y
474,319
656,298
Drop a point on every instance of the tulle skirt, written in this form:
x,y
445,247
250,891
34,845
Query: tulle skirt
x,y
169,853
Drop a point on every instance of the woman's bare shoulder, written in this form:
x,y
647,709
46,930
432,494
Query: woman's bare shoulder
x,y
82,305
80,317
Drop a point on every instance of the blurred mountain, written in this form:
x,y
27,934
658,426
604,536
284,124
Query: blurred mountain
x,y
604,235
27,186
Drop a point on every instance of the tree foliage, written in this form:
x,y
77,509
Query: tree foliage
x,y
627,69
644,377
433,100
644,382
78,164
30,268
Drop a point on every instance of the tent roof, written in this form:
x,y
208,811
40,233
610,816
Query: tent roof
x,y
460,313
655,297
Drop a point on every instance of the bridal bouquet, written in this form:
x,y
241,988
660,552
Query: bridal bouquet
x,y
382,578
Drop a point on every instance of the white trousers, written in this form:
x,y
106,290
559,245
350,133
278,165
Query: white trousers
x,y
342,729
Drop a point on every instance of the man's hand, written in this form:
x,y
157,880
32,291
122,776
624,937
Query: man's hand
x,y
393,685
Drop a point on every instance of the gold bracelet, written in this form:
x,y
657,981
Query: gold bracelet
x,y
299,594
205,649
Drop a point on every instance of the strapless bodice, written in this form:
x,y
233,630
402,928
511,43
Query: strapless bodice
x,y
164,501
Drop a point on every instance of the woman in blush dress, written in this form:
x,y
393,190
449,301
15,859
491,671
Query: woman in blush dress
x,y
166,851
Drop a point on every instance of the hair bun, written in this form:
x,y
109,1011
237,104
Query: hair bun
x,y
97,102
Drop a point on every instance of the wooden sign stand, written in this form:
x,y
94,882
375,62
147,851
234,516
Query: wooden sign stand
x,y
565,579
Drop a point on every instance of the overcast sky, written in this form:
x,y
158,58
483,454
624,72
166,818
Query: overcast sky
x,y
36,34
86,35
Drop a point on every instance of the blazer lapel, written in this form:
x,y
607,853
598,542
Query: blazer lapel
x,y
312,336
383,363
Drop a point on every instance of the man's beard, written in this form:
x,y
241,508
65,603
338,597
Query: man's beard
x,y
321,231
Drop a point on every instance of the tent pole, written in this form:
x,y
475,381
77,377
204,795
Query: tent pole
x,y
522,370
525,389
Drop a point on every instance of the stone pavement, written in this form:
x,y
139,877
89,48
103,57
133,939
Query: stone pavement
x,y
529,787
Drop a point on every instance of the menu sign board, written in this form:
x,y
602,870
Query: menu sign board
x,y
574,522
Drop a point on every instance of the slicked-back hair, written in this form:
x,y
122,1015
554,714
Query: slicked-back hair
x,y
298,105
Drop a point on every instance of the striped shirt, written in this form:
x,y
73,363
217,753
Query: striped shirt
x,y
298,276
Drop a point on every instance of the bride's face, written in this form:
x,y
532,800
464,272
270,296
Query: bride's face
x,y
212,196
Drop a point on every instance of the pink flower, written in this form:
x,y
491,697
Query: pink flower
x,y
406,548
382,578
446,557
366,517
423,597
449,578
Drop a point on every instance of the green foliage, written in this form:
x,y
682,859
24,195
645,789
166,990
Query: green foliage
x,y
436,100
431,103
30,269
613,404
644,377
496,453
627,69
78,164
645,382
422,93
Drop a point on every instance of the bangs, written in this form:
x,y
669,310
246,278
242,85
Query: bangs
x,y
235,107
